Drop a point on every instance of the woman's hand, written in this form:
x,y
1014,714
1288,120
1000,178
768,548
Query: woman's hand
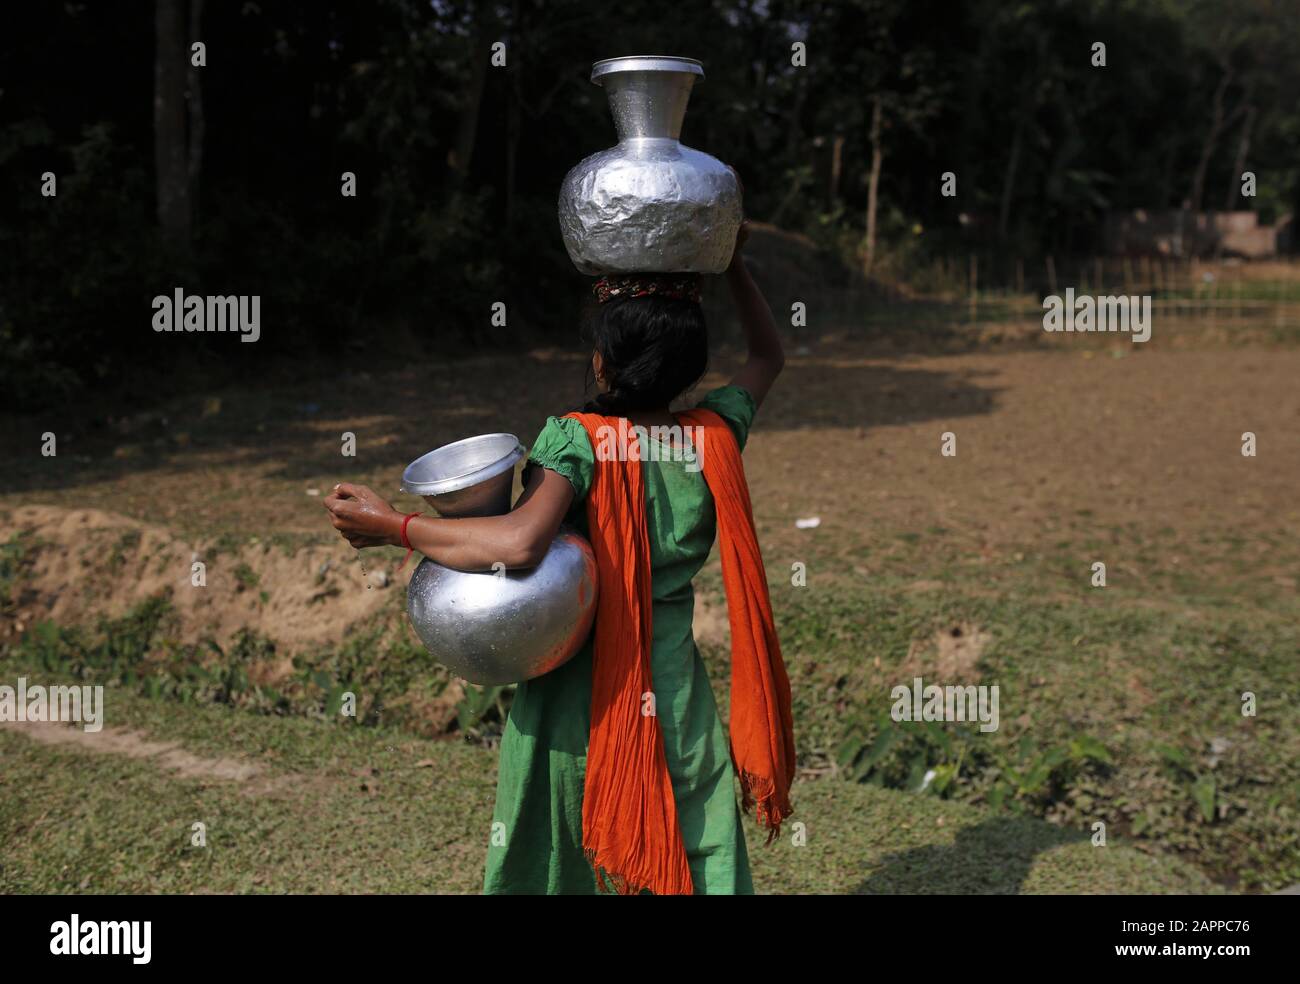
x,y
362,517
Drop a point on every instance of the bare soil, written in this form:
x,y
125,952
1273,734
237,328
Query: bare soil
x,y
1122,444
166,755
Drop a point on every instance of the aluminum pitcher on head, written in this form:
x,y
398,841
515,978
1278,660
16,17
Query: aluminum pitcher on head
x,y
649,204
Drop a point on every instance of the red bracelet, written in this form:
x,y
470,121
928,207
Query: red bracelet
x,y
405,542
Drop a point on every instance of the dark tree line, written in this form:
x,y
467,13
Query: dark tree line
x,y
225,177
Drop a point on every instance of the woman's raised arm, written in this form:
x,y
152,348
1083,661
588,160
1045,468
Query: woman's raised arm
x,y
766,356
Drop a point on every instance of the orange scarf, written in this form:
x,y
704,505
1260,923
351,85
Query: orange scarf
x,y
630,829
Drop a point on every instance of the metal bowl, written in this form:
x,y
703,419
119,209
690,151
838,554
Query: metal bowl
x,y
509,626
472,477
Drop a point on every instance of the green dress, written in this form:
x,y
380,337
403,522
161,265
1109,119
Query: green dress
x,y
536,841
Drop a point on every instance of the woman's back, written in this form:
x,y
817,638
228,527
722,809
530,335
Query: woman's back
x,y
680,516
543,749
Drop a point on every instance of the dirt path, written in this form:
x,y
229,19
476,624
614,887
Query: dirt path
x,y
169,756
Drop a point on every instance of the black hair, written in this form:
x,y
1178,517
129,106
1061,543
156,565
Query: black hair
x,y
653,348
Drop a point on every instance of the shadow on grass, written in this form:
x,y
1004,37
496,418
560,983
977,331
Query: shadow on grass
x,y
990,858
293,431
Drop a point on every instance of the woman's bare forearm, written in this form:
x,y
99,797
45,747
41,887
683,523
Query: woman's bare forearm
x,y
766,354
519,539
478,544
755,314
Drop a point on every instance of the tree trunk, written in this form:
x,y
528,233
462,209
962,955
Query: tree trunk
x,y
513,127
873,185
1211,140
1239,165
794,133
837,170
194,99
1009,177
793,142
171,179
1165,196
467,131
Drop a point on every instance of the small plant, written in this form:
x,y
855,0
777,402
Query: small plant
x,y
16,560
246,578
938,758
1037,779
479,706
1200,786
128,541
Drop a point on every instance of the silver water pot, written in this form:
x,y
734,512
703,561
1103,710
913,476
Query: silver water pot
x,y
509,625
649,204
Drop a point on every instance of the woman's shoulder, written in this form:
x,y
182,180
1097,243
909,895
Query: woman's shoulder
x,y
562,446
735,405
563,430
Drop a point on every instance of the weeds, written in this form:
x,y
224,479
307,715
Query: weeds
x,y
373,670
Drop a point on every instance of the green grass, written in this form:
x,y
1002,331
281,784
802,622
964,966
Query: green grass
x,y
373,810
15,560
1119,705
126,543
246,577
390,676
356,815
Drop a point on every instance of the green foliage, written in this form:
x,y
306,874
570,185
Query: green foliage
x,y
379,666
1072,747
481,706
246,577
1201,787
16,557
868,840
70,261
456,183
950,759
1168,780
126,543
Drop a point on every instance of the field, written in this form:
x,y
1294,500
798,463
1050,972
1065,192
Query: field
x,y
1121,705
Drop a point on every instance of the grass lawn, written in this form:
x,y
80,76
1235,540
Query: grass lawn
x,y
335,808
